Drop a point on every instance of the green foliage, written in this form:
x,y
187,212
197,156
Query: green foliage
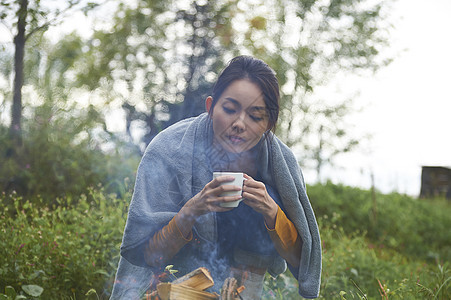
x,y
63,250
65,144
394,221
163,55
441,288
282,287
24,19
308,43
61,156
71,248
353,265
158,60
166,54
359,262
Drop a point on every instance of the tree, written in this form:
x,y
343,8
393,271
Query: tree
x,y
166,54
66,147
29,17
19,42
61,150
160,59
307,43
325,131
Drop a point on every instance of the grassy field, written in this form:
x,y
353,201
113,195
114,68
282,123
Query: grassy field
x,y
378,246
375,246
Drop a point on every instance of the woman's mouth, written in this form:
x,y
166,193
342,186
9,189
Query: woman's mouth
x,y
234,139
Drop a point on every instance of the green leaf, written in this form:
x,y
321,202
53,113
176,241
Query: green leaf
x,y
342,295
10,292
169,267
33,290
103,272
35,275
90,292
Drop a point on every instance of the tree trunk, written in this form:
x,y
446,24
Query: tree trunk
x,y
19,43
319,154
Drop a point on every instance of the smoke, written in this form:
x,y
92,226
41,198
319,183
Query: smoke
x,y
241,229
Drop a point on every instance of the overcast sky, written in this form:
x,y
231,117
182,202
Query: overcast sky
x,y
407,104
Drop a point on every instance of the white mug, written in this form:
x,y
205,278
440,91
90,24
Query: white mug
x,y
238,181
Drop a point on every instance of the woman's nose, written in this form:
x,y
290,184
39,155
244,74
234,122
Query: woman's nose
x,y
239,124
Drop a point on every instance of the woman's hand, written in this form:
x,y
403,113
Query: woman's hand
x,y
209,199
256,196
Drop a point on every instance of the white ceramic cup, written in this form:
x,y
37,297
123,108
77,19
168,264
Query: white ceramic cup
x,y
238,181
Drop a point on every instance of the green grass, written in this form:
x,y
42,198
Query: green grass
x,y
67,249
415,227
382,247
378,246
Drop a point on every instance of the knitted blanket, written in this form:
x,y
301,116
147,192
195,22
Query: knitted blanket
x,y
173,169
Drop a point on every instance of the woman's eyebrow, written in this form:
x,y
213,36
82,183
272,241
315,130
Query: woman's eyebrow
x,y
253,108
233,101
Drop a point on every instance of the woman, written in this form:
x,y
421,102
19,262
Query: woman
x,y
175,216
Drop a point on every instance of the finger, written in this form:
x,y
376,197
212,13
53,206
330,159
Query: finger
x,y
259,195
217,207
225,188
256,196
215,182
251,197
226,199
254,188
230,198
221,199
254,184
247,177
221,179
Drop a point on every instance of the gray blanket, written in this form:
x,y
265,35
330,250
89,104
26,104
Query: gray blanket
x,y
173,169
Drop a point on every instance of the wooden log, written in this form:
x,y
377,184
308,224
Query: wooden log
x,y
152,295
240,289
169,291
229,289
199,279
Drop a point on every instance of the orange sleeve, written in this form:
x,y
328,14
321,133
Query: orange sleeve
x,y
286,239
165,244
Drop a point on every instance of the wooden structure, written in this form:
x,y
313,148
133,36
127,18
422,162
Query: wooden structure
x,y
193,286
435,182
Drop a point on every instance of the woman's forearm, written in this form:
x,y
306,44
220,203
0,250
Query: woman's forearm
x,y
168,241
286,239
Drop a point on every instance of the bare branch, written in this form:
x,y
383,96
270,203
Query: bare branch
x,y
57,18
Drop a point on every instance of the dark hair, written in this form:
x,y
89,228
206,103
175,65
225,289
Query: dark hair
x,y
258,72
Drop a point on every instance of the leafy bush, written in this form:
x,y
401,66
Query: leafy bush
x,y
65,249
354,268
70,249
418,227
60,155
395,248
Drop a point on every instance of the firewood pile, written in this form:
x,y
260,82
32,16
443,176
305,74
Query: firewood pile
x,y
193,286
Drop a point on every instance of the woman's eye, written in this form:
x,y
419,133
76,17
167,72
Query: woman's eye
x,y
228,110
256,118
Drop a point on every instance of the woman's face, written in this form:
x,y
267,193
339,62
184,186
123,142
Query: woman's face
x,y
239,116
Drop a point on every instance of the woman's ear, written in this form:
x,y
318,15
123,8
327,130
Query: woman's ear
x,y
208,103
